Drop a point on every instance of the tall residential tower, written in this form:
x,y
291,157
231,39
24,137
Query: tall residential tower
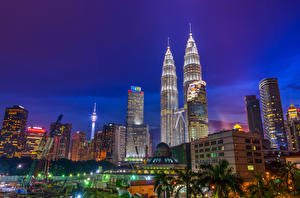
x,y
196,113
169,101
272,112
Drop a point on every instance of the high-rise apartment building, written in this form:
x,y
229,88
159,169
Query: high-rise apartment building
x,y
61,143
197,110
293,128
34,136
272,113
12,136
97,152
78,149
193,75
120,144
137,133
169,100
254,115
135,106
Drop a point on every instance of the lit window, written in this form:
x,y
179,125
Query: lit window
x,y
250,167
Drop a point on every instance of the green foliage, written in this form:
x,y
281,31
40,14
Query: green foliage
x,y
163,185
221,179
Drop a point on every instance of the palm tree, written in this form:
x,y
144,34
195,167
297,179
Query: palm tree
x,y
262,187
221,179
185,180
163,184
288,175
198,185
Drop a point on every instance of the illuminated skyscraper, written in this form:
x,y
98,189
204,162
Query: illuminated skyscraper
x,y
137,133
293,128
12,136
61,144
135,106
272,113
198,108
169,101
78,148
94,118
34,135
254,115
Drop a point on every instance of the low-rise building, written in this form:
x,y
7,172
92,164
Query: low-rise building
x,y
243,151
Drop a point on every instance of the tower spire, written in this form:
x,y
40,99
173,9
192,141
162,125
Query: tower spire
x,y
168,41
190,28
95,107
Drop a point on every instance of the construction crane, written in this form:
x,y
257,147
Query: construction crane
x,y
43,151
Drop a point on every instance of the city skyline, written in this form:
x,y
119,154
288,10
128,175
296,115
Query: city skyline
x,y
46,94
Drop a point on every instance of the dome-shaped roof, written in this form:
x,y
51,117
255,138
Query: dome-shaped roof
x,y
162,150
162,155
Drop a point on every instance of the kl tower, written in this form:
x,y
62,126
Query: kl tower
x,y
94,119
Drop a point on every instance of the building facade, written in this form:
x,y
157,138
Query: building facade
x,y
135,106
61,143
193,74
293,128
138,141
272,113
182,153
242,150
254,115
120,144
78,149
138,138
12,136
34,136
197,110
168,100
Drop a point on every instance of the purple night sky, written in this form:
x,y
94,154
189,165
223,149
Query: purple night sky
x,y
61,56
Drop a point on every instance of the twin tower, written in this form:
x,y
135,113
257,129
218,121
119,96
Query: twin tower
x,y
179,125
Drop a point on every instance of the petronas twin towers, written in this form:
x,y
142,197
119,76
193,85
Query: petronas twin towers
x,y
179,125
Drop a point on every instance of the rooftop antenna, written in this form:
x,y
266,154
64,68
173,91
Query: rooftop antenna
x,y
168,41
190,28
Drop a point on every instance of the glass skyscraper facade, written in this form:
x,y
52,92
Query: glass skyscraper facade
x,y
196,124
272,113
254,115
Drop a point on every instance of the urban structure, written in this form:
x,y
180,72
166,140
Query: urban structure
x,y
272,113
137,133
61,144
94,118
12,136
293,128
78,150
198,108
254,115
242,150
34,136
169,101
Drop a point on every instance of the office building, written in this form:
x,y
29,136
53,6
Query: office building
x,y
137,133
254,115
168,100
242,150
97,151
12,136
78,149
272,113
293,128
138,141
34,136
61,143
120,143
135,106
198,108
